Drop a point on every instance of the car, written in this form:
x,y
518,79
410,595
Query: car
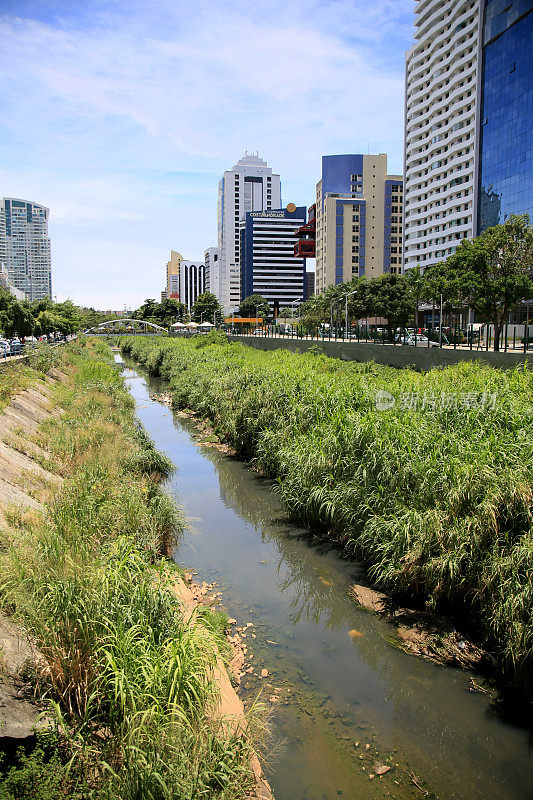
x,y
5,348
411,340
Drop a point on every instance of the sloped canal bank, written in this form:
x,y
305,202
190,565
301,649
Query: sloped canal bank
x,y
349,705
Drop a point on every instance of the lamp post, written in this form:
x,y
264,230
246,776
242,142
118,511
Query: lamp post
x,y
440,323
294,302
346,311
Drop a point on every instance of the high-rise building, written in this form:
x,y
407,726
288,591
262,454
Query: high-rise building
x,y
268,264
468,123
249,186
505,175
309,284
191,282
173,272
440,129
212,270
25,247
8,286
359,212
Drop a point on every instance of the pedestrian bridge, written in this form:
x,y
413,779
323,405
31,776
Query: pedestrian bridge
x,y
131,326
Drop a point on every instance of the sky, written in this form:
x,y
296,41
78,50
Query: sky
x,y
122,115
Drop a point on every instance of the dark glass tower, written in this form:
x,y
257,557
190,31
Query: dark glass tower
x,y
505,184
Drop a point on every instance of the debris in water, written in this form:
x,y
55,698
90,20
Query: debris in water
x,y
354,634
324,581
264,673
414,780
381,769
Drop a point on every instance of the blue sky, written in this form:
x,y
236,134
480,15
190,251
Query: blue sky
x,y
121,116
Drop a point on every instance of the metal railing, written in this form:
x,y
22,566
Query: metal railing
x,y
450,339
22,351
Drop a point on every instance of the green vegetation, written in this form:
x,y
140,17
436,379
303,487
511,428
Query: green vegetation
x,y
207,309
128,680
434,493
21,318
43,317
164,313
254,306
490,274
17,376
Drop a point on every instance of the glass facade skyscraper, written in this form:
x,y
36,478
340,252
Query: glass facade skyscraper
x,y
506,113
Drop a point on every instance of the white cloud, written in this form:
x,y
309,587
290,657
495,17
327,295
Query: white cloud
x,y
129,117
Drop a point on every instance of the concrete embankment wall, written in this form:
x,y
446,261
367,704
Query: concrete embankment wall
x,y
419,358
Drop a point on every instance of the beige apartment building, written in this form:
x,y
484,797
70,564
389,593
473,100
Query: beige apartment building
x,y
359,215
173,275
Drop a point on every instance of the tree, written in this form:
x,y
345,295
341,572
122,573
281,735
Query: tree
x,y
390,296
45,323
163,313
418,287
206,308
358,303
148,310
491,273
15,316
254,303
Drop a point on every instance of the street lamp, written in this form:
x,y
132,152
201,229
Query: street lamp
x,y
346,314
333,304
294,302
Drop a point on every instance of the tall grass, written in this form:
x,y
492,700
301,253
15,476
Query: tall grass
x,y
437,500
130,681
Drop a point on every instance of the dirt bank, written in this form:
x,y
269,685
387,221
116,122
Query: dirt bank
x,y
423,634
230,708
26,485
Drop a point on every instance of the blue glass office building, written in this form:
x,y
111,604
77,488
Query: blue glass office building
x,y
505,183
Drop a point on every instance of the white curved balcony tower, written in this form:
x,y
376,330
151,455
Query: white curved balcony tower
x,y
440,129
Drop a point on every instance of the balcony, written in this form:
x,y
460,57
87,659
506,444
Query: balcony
x,y
305,248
